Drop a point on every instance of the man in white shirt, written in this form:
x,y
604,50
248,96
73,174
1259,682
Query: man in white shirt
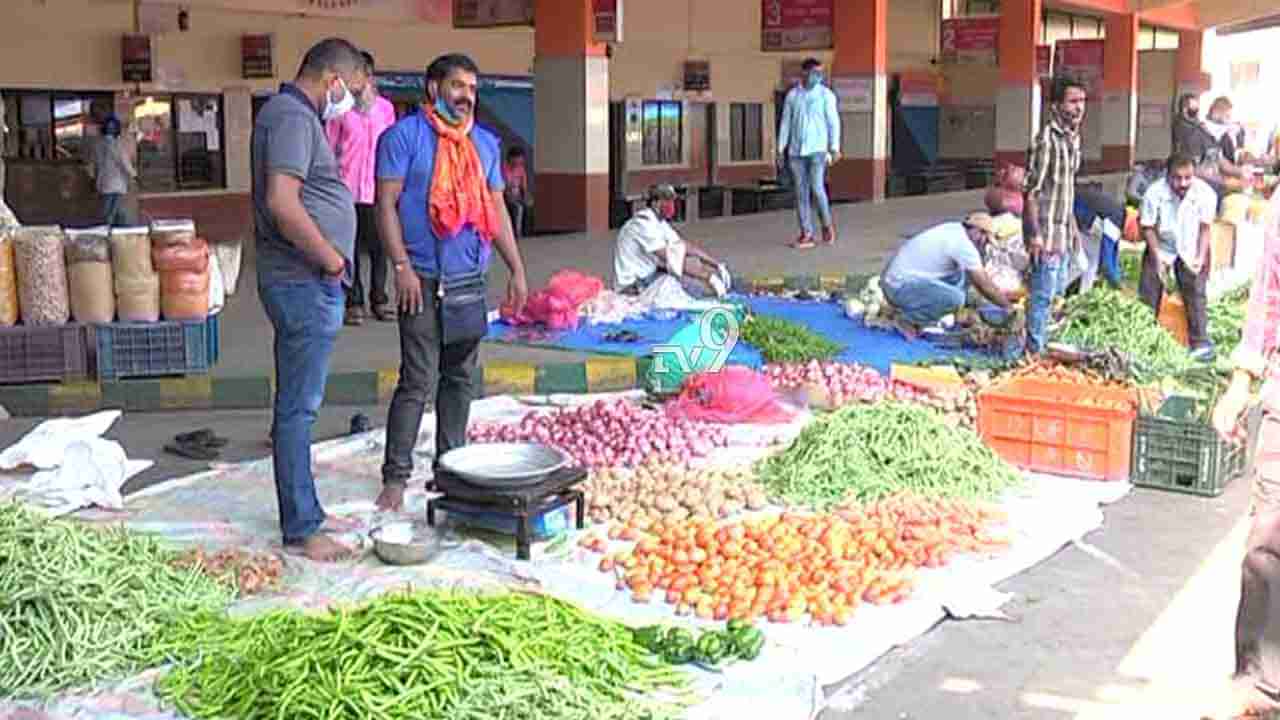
x,y
648,246
809,139
1177,216
928,276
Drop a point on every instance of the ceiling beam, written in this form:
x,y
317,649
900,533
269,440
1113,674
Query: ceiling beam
x,y
1214,13
1184,16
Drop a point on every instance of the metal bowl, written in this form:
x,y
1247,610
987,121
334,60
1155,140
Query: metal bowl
x,y
422,546
502,465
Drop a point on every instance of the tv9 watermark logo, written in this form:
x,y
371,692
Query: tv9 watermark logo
x,y
718,332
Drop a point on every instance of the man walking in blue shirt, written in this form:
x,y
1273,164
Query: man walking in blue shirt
x,y
305,228
440,213
810,141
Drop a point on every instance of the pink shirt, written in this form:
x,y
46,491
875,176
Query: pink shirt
x,y
354,139
1261,331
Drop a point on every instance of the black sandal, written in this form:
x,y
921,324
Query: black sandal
x,y
203,437
192,451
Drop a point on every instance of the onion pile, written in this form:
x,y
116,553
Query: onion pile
x,y
613,433
833,384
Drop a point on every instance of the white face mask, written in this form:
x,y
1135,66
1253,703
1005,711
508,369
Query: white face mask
x,y
341,107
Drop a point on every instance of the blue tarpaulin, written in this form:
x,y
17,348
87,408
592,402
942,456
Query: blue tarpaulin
x,y
866,346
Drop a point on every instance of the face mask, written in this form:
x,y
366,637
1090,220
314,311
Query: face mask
x,y
446,110
813,80
341,107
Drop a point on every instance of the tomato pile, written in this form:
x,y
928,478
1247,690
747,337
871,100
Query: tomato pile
x,y
614,433
788,567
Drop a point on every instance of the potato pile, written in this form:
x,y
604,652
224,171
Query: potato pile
x,y
670,493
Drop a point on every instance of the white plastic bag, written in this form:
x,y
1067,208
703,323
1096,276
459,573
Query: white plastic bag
x,y
44,447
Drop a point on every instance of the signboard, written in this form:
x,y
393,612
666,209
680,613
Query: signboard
x,y
1044,60
256,60
971,39
1153,115
491,13
797,24
606,19
918,90
1083,59
697,76
135,59
854,93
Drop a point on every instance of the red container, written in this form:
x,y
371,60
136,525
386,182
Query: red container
x,y
1043,426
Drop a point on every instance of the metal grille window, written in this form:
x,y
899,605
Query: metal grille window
x,y
663,131
745,132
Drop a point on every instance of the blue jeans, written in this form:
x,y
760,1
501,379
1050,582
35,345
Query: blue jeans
x,y
923,301
809,173
306,315
1048,280
1109,259
114,211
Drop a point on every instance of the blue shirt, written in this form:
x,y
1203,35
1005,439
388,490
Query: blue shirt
x,y
810,122
407,152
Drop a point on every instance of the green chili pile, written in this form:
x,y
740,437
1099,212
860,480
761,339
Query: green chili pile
x,y
784,341
421,655
1226,320
80,605
1103,318
868,452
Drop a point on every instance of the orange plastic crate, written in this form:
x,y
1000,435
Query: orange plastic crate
x,y
1047,427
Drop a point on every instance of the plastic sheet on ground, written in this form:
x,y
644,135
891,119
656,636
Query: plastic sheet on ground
x,y
235,505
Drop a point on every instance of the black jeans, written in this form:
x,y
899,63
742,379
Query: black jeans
x,y
429,372
516,211
367,241
1192,286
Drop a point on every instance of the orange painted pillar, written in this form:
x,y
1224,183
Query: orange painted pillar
x,y
1190,77
1119,104
571,112
861,57
1018,99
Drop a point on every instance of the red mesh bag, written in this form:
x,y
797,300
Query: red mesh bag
x,y
557,305
735,394
576,287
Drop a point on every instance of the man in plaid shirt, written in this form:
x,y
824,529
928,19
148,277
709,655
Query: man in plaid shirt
x,y
1049,218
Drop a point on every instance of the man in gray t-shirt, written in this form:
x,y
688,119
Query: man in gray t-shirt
x,y
305,228
928,277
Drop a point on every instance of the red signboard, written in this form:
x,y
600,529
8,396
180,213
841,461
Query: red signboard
x,y
1083,59
135,59
971,39
606,17
491,13
255,57
796,24
918,90
1044,60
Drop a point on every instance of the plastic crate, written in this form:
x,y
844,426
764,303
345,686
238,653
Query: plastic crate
x,y
1172,451
152,349
213,340
1059,428
42,354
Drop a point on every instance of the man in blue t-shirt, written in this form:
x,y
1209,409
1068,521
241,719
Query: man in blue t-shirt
x,y
440,210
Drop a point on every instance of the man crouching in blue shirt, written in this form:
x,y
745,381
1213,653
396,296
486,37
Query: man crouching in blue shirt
x,y
440,211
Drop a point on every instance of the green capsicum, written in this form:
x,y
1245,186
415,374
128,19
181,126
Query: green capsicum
x,y
712,648
748,644
649,637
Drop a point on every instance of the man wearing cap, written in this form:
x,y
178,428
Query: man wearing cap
x,y
649,247
928,276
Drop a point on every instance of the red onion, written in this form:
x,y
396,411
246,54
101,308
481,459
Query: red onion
x,y
610,433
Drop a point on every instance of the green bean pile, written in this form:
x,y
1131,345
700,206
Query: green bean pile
x,y
784,341
1226,320
80,605
1103,318
421,655
868,452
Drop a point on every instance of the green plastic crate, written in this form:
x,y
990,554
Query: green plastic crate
x,y
1173,452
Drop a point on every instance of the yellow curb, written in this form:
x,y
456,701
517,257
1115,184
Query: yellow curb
x,y
610,374
502,378
75,395
832,282
185,392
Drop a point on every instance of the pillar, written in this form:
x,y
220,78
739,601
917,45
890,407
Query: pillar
x,y
1190,78
571,113
861,56
1018,99
1119,104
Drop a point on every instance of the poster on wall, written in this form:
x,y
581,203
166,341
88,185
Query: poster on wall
x,y
971,40
135,58
606,20
697,76
491,13
256,60
1153,115
1083,59
797,24
854,93
1044,60
918,90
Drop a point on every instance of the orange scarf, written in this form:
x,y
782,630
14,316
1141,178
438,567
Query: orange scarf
x,y
459,192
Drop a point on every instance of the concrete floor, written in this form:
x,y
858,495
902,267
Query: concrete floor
x,y
1139,613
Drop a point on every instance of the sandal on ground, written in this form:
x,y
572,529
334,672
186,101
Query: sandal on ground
x,y
203,436
804,242
192,451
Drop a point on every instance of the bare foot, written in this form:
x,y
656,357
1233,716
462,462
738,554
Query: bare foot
x,y
321,547
391,498
333,523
